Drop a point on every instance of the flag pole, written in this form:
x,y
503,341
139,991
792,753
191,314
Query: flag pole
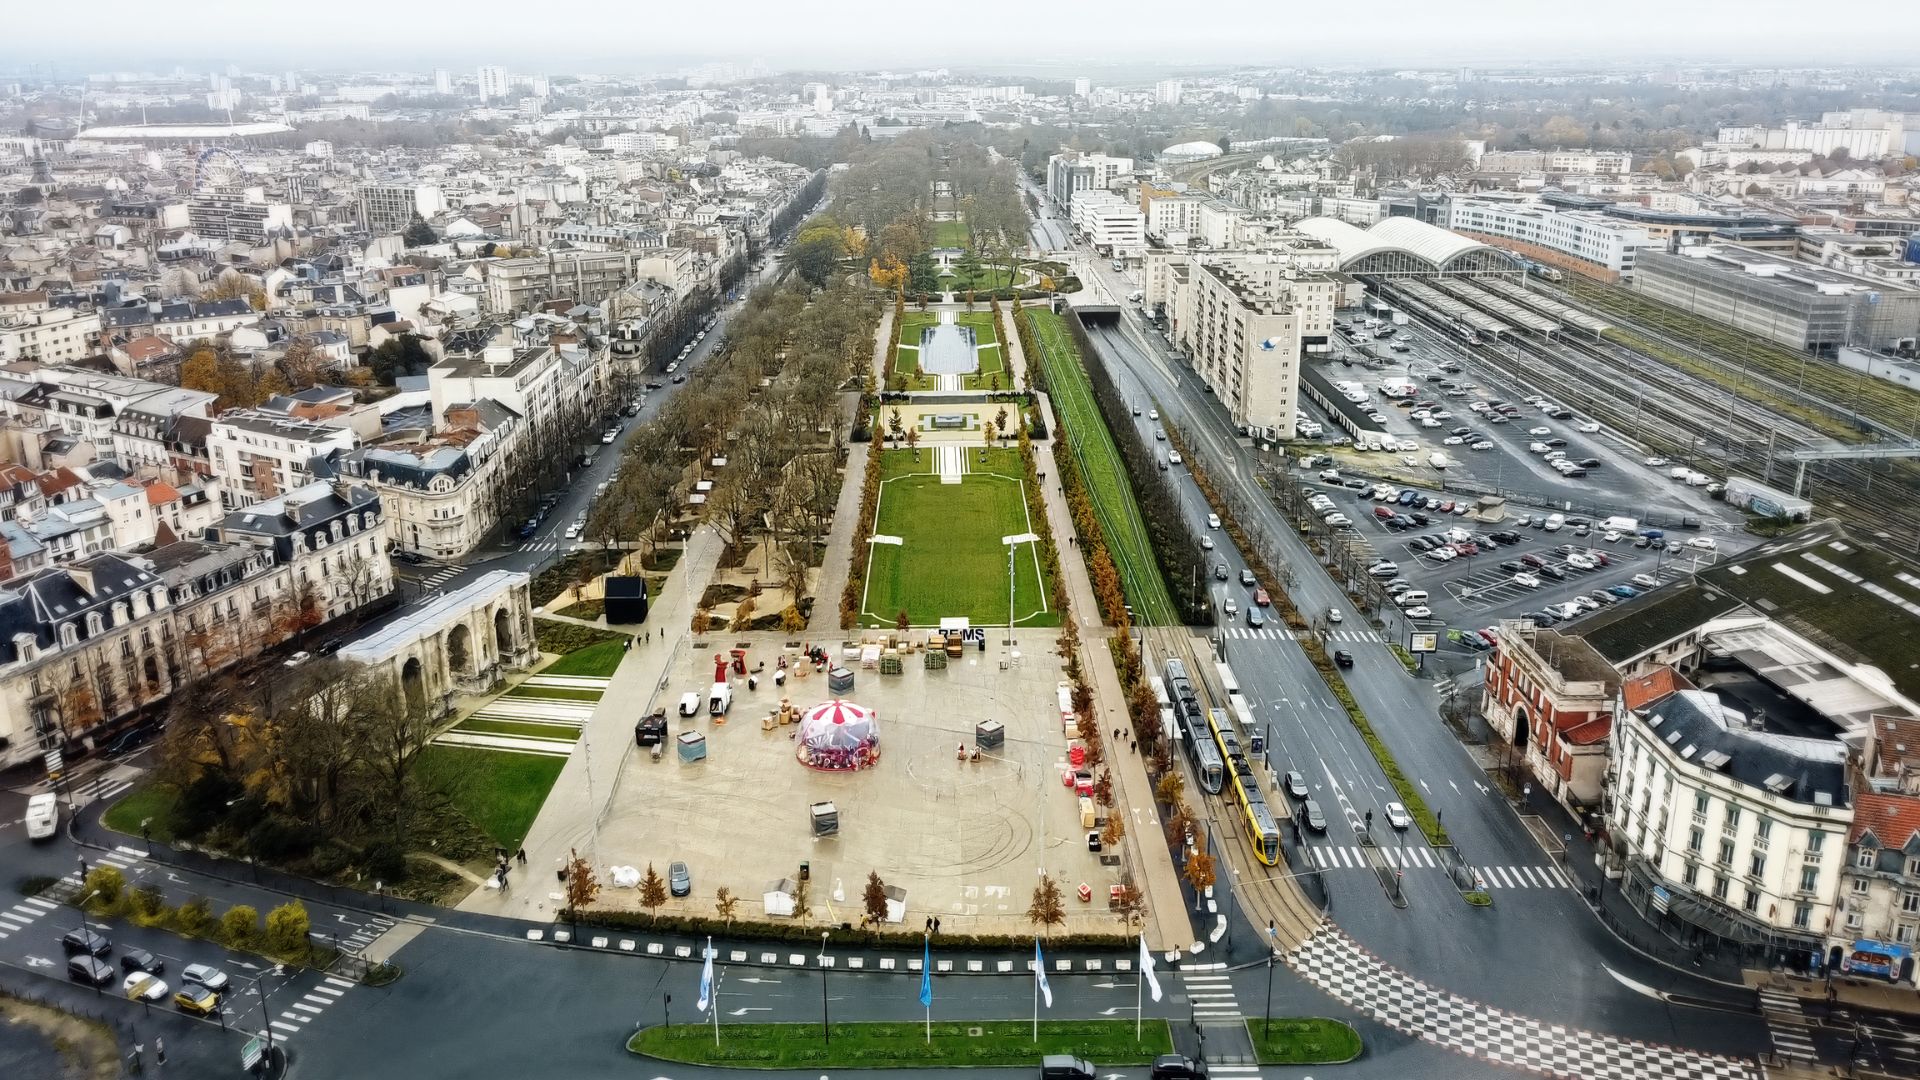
x,y
1036,989
1139,982
715,1003
926,956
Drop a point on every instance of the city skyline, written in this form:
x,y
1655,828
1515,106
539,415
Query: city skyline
x,y
869,35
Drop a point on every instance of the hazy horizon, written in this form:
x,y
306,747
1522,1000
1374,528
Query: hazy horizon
x,y
871,35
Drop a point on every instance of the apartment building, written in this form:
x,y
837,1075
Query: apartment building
x,y
541,383
245,216
1881,895
49,334
386,209
331,536
1245,321
1583,242
514,286
494,83
1110,223
1082,171
258,455
442,495
1583,162
1731,827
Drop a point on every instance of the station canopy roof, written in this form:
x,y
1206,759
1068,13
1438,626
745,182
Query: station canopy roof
x,y
1437,247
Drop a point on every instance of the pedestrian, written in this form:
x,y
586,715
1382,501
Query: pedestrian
x,y
936,924
159,1049
1133,746
929,924
522,856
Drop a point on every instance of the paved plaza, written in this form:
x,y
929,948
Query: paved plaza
x,y
965,840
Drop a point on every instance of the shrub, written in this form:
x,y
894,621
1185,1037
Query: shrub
x,y
287,927
239,927
194,918
385,862
278,839
149,905
107,884
204,804
565,637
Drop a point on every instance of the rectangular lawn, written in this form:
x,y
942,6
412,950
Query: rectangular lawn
x,y
906,362
500,792
951,562
951,234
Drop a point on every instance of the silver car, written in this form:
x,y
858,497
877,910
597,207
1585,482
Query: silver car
x,y
679,879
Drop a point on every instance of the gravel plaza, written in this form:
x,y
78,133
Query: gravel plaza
x,y
965,840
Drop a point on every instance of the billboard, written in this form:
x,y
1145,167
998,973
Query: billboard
x,y
1423,642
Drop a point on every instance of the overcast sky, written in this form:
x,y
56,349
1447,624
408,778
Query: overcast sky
x,y
597,35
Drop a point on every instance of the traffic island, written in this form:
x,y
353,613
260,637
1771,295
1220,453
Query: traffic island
x,y
951,1044
1303,1040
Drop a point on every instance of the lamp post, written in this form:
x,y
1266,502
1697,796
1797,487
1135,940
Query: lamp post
x,y
1273,951
825,1031
80,909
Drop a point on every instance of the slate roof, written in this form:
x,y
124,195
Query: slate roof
x,y
1701,729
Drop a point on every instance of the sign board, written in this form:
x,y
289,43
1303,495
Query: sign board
x,y
1423,642
1661,898
56,763
250,1054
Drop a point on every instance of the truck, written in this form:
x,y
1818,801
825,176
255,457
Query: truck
x,y
1624,525
43,816
719,699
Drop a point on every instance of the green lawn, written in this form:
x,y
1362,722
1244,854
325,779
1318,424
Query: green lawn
x,y
486,725
500,792
906,362
148,801
952,234
1306,1040
571,693
600,660
1105,474
951,561
979,1043
990,277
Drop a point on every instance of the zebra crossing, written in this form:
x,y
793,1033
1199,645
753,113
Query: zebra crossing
x,y
22,915
312,1003
443,575
1211,996
1278,633
1422,857
1788,1024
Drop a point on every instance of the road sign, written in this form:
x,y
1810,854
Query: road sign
x,y
56,763
250,1055
1423,642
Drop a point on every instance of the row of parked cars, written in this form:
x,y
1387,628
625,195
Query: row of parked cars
x,y
201,985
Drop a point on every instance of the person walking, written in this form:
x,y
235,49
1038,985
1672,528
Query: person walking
x,y
522,856
936,924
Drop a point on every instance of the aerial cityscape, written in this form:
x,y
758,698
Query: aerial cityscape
x,y
1272,546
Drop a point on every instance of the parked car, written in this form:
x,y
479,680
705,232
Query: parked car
x,y
143,986
1296,784
1646,581
83,940
1316,820
1176,1067
1624,592
1526,581
141,960
1514,566
206,975
679,879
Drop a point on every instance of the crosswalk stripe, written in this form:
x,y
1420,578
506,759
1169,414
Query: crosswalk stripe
x,y
341,983
304,1007
330,990
12,925
1426,855
1345,859
316,999
39,903
285,1027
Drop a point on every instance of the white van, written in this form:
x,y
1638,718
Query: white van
x,y
43,816
1555,521
1412,597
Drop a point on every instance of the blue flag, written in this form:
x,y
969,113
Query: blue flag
x,y
1040,973
926,975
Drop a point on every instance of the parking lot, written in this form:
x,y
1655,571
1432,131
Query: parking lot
x,y
1452,569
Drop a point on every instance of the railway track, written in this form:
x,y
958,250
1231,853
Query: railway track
x,y
1262,893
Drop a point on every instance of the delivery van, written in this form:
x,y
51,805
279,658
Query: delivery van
x,y
43,816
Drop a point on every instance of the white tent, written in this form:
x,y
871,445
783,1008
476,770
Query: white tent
x,y
778,899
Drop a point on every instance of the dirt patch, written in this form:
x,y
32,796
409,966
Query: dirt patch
x,y
37,1040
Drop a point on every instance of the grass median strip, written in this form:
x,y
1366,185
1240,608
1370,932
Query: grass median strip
x,y
1303,1040
954,1043
569,693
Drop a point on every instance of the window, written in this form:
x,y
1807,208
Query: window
x,y
1860,886
1692,876
1903,933
1802,916
1816,841
1720,887
1733,818
1855,920
1752,901
1913,867
1695,837
1757,864
1865,859
1762,831
1910,902
1700,802
1726,853
1809,878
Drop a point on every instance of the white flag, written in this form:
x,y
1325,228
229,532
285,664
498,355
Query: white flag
x,y
706,981
1146,968
1040,973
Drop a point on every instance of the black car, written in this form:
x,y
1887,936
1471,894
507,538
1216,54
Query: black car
x,y
1296,784
1556,443
1316,820
132,739
653,385
1343,658
85,941
1514,566
1420,543
142,960
1463,432
1553,572
1507,537
1421,519
1590,463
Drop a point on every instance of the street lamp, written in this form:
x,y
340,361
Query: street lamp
x,y
825,1031
1273,950
80,908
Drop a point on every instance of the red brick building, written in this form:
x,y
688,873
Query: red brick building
x,y
1551,698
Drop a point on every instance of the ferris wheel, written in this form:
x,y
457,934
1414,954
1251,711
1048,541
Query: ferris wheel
x,y
215,168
